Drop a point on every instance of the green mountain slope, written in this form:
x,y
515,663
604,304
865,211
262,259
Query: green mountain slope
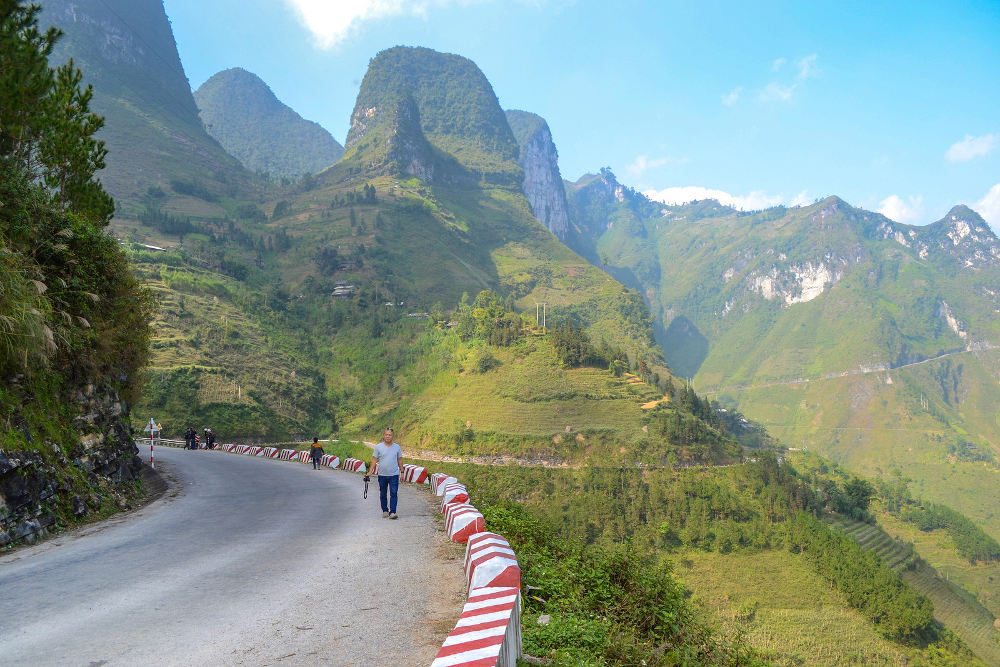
x,y
243,115
152,130
423,210
839,329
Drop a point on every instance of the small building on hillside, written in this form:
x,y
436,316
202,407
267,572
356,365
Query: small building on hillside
x,y
342,290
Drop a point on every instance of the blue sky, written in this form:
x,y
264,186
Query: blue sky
x,y
894,106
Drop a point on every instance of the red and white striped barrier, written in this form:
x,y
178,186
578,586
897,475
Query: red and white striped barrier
x,y
489,561
488,632
269,452
454,492
304,457
288,454
254,451
242,449
438,480
230,447
330,461
462,521
354,465
414,474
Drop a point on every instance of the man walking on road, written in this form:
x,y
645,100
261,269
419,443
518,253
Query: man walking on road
x,y
388,456
316,453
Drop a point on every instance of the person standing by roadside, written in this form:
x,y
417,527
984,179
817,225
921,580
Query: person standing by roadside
x,y
388,456
316,453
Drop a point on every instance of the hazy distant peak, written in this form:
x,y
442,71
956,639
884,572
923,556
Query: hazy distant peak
x,y
243,114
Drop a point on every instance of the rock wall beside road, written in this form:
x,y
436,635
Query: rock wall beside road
x,y
69,467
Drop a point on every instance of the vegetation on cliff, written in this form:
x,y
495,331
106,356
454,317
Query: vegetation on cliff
x,y
72,315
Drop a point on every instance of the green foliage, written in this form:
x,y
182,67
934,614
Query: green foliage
x,y
869,585
69,298
573,347
281,209
608,604
971,542
193,188
489,319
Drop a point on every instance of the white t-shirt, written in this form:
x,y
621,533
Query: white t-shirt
x,y
388,458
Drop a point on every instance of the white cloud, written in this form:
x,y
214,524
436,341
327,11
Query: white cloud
x,y
753,201
894,208
730,98
644,163
989,207
970,147
801,199
807,66
777,91
331,22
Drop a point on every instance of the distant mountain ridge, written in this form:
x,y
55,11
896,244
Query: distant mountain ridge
x,y
152,130
242,113
874,342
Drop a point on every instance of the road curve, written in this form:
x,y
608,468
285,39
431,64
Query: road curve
x,y
244,561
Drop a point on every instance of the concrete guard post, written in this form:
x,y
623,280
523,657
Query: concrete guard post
x,y
463,520
439,480
415,474
488,632
354,465
489,561
454,492
288,454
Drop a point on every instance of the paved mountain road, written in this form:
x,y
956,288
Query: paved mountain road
x,y
243,561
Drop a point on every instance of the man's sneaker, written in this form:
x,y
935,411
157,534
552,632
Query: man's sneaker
x,y
385,514
393,516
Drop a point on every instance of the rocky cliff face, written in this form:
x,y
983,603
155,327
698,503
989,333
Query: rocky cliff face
x,y
55,481
152,131
456,109
542,185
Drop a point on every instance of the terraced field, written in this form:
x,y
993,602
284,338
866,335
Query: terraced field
x,y
530,394
872,538
955,607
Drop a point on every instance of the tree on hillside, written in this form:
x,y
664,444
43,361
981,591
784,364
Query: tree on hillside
x,y
67,297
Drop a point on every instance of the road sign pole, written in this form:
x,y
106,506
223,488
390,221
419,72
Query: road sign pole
x,y
152,454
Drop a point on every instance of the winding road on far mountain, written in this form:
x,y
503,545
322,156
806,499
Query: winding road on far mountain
x,y
243,561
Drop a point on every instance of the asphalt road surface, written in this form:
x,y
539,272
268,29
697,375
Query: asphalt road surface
x,y
243,561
